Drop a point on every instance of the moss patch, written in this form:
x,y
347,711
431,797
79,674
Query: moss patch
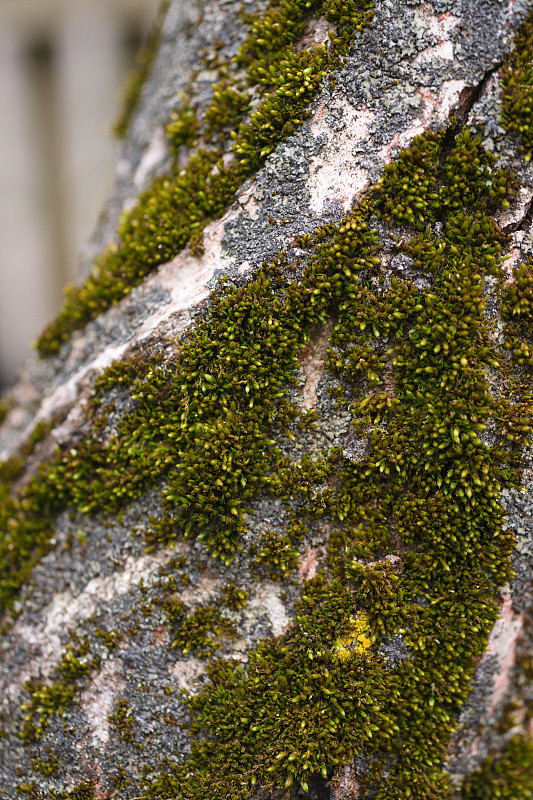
x,y
416,367
47,699
517,88
122,720
505,777
84,791
417,387
177,207
417,549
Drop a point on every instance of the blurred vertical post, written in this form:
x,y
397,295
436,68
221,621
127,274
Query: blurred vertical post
x,y
89,69
26,292
62,63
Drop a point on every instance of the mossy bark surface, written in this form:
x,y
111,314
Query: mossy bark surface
x,y
266,495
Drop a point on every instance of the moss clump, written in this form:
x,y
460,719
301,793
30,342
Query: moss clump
x,y
517,310
46,700
292,687
122,719
276,552
111,639
84,791
410,180
55,698
517,297
201,632
505,777
25,523
347,14
233,597
177,207
48,767
517,88
205,628
182,131
230,105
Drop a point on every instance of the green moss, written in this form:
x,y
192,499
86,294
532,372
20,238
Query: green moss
x,y
56,697
177,207
13,468
230,105
284,744
517,310
122,719
427,475
415,368
136,79
505,777
517,297
46,700
121,779
201,632
74,662
175,608
276,552
182,131
84,791
174,572
517,88
48,767
347,14
233,597
111,639
25,524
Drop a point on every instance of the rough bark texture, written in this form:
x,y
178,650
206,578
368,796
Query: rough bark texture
x,y
414,67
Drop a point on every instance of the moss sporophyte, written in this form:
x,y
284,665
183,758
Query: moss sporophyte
x,y
416,549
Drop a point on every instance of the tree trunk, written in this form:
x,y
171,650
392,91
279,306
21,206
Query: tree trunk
x,y
266,494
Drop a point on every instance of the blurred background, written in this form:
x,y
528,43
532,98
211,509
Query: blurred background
x,y
62,65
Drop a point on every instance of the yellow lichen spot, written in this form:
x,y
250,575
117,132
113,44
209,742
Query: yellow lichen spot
x,y
357,641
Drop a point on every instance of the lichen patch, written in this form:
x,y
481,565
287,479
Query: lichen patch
x,y
438,25
334,174
308,564
98,698
312,361
502,645
517,208
67,610
187,674
443,51
267,597
154,155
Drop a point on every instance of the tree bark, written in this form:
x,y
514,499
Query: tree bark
x,y
342,532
